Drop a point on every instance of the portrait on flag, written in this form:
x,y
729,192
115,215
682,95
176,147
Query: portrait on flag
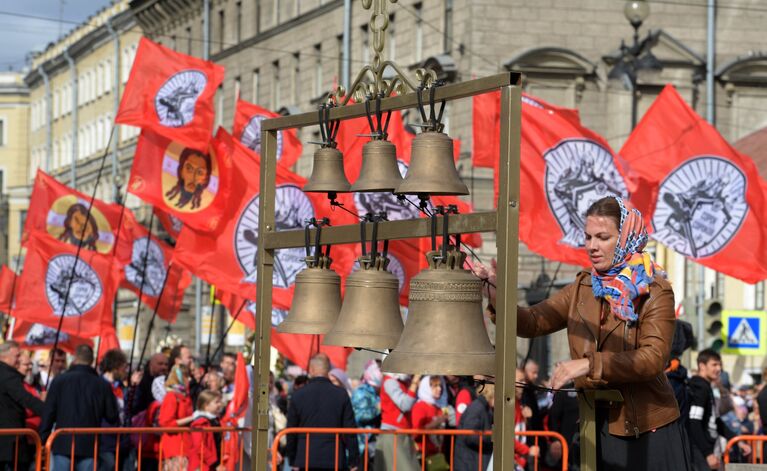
x,y
247,129
184,182
62,213
172,94
708,201
56,284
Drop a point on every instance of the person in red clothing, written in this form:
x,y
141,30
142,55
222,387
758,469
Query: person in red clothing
x,y
176,411
397,400
521,415
205,452
428,414
460,393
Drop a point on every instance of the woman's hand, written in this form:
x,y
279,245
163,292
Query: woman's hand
x,y
568,371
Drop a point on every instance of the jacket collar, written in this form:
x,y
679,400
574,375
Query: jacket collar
x,y
319,379
9,368
83,368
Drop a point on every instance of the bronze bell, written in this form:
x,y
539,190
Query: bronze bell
x,y
379,168
328,172
316,299
370,315
432,169
444,332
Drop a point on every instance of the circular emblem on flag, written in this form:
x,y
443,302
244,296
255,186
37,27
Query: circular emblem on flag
x,y
153,272
701,205
40,334
189,178
292,209
85,288
375,202
68,221
251,135
394,267
578,173
175,223
177,98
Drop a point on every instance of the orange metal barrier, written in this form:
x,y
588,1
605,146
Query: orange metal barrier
x,y
410,432
757,452
139,432
24,432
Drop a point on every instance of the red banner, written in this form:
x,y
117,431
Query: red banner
x,y
710,204
172,94
7,278
170,223
33,336
564,168
191,185
227,257
48,276
62,212
247,129
150,262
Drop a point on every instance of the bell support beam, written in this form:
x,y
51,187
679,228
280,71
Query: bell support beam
x,y
449,92
405,229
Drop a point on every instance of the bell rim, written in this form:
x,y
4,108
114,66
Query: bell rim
x,y
460,364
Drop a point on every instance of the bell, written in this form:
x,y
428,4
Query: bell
x,y
444,332
379,168
328,172
432,169
316,300
370,315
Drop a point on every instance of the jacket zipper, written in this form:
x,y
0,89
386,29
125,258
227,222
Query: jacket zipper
x,y
628,387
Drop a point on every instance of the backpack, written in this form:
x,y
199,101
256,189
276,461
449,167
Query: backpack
x,y
678,379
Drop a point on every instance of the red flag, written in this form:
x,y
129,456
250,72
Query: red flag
x,y
350,143
108,341
172,94
7,279
710,203
150,259
235,415
33,336
170,223
183,182
297,348
485,122
47,275
564,168
247,129
227,257
61,212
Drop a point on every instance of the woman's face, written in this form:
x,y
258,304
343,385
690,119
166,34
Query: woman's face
x,y
436,388
601,238
335,381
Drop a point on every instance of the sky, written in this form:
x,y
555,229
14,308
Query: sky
x,y
29,25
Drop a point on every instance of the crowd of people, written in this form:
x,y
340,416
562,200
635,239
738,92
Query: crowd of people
x,y
172,390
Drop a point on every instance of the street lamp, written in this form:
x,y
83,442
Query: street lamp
x,y
629,60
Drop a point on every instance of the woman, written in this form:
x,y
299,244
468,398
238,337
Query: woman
x,y
176,411
397,400
366,404
428,415
620,321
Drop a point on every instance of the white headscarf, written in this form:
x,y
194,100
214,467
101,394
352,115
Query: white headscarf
x,y
424,392
158,388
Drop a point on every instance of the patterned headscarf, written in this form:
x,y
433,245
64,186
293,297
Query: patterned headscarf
x,y
372,374
632,268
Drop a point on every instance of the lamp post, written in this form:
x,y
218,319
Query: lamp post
x,y
629,60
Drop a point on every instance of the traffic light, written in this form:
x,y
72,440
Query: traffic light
x,y
713,310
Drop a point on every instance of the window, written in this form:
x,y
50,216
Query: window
x,y
108,76
391,38
689,279
220,106
221,30
276,12
341,59
418,7
173,42
719,286
295,79
256,82
56,103
189,40
3,137
447,37
759,296
22,221
237,85
365,44
275,95
318,70
238,19
100,79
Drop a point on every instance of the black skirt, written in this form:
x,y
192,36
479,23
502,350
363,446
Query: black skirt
x,y
665,449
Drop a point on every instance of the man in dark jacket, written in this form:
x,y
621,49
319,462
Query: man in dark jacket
x,y
156,366
478,416
78,398
320,404
14,399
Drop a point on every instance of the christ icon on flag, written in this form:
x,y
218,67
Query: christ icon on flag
x,y
68,221
193,171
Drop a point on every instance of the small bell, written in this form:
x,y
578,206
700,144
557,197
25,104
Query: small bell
x,y
432,169
316,301
379,168
370,315
328,172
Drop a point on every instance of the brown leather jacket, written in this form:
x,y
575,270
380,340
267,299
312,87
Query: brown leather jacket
x,y
630,358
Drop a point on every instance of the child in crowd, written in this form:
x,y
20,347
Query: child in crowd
x,y
205,446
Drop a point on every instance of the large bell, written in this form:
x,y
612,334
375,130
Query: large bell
x,y
370,315
316,300
432,169
328,172
379,168
445,331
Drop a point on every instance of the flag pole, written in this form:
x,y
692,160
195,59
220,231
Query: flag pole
x,y
228,328
77,256
212,293
140,293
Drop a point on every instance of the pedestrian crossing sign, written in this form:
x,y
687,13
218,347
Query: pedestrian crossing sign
x,y
745,332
